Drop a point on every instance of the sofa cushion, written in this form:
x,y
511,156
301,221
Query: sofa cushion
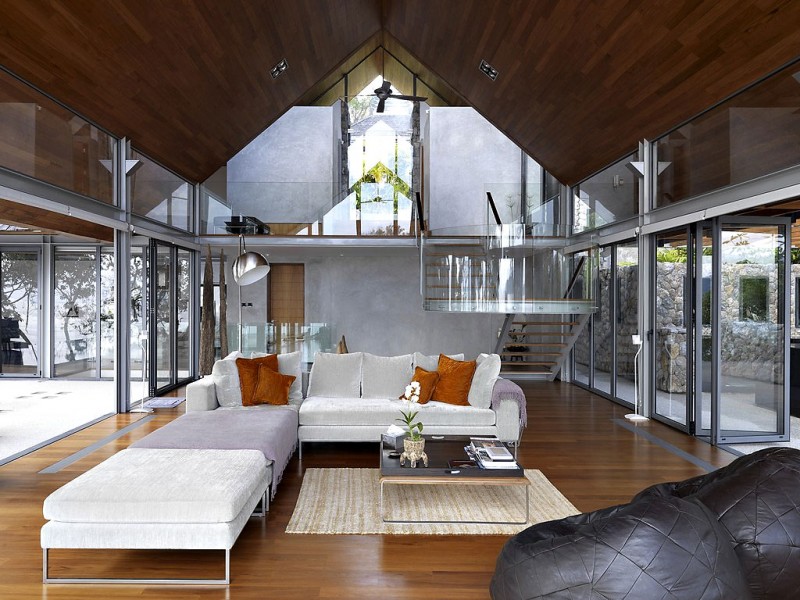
x,y
248,374
225,375
271,388
455,378
384,376
317,410
289,364
430,363
427,383
336,375
486,373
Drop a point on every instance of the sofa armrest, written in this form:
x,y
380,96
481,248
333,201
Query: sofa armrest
x,y
201,395
510,406
507,420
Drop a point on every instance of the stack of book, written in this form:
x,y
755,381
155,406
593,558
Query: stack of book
x,y
490,453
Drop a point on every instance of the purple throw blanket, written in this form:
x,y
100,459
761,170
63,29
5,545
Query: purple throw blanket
x,y
505,389
270,429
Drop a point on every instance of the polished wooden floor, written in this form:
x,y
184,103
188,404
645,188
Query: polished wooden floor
x,y
571,437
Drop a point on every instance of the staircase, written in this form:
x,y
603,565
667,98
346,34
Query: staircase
x,y
537,346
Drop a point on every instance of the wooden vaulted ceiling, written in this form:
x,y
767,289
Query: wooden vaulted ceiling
x,y
580,83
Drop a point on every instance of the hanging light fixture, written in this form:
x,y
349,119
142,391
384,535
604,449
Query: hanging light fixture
x,y
249,267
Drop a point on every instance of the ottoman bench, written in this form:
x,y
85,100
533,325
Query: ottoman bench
x,y
157,499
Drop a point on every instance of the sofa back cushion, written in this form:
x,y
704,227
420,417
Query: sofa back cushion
x,y
385,376
336,375
486,373
431,363
226,381
289,364
455,378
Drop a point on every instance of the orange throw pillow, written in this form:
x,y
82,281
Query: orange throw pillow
x,y
248,374
455,378
427,383
271,387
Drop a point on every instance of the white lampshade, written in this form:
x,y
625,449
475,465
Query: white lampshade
x,y
249,267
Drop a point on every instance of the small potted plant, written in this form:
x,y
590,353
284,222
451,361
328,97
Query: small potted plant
x,y
414,444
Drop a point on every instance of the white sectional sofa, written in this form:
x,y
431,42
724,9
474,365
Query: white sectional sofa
x,y
355,397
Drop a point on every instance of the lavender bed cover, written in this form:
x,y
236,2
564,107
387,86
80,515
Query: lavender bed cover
x,y
270,429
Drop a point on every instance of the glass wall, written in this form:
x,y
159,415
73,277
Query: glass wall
x,y
582,351
610,196
627,319
183,324
602,324
44,140
83,312
138,316
164,315
19,312
755,133
159,194
671,335
751,329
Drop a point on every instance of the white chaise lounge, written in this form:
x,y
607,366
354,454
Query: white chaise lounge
x,y
157,499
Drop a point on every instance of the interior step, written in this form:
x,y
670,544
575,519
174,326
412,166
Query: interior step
x,y
553,323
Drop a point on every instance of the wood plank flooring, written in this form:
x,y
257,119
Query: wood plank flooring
x,y
571,437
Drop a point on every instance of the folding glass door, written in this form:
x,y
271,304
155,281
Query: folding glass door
x,y
170,295
720,331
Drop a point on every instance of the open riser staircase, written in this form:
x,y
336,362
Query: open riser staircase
x,y
537,346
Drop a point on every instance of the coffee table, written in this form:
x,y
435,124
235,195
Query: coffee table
x,y
441,450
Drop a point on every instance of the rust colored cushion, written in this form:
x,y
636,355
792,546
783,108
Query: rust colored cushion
x,y
248,374
272,387
455,378
427,383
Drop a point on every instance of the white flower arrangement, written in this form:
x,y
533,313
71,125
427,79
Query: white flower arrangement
x,y
411,396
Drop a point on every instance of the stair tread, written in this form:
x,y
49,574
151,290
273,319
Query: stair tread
x,y
570,323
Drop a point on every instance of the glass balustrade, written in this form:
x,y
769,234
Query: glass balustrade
x,y
299,208
501,269
282,338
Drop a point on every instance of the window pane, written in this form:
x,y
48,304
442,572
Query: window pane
x,y
44,140
183,299
75,313
602,324
164,317
19,313
610,196
159,194
753,134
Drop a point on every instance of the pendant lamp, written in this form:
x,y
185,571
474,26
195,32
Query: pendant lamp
x,y
249,267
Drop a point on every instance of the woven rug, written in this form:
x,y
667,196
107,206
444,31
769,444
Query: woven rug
x,y
347,501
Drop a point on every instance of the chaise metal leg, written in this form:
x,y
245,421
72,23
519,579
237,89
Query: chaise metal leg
x,y
226,581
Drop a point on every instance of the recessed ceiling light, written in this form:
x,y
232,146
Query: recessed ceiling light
x,y
488,70
279,68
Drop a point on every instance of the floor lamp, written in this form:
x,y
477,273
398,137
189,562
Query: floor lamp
x,y
142,408
248,268
637,416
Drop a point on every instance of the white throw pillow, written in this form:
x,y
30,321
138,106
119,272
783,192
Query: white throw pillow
x,y
385,376
289,364
226,380
486,373
336,375
431,363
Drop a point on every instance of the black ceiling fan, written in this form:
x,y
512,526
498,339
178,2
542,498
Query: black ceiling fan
x,y
385,92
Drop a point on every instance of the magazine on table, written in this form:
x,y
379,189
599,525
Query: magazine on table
x,y
495,449
484,462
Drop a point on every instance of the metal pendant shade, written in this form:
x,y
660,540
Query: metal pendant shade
x,y
249,266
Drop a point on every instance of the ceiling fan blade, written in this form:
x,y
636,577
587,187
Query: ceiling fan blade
x,y
381,105
412,98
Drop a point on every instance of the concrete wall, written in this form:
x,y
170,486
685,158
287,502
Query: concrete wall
x,y
375,303
286,174
468,156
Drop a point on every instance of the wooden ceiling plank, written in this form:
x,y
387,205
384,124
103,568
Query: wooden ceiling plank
x,y
32,216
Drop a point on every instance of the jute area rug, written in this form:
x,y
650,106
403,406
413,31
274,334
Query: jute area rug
x,y
347,501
